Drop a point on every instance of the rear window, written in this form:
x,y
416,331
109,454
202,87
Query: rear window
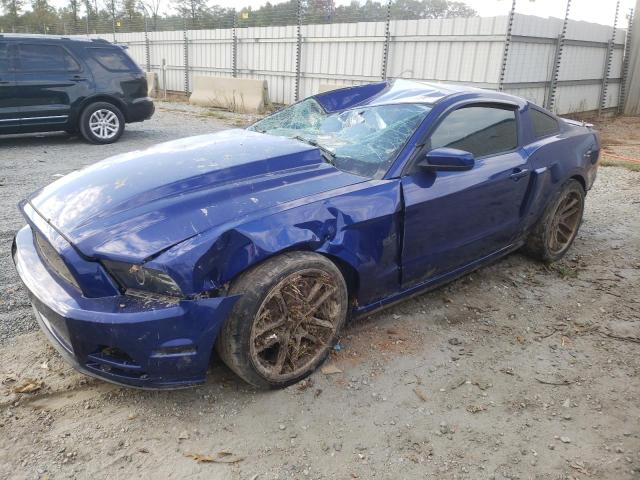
x,y
113,59
543,124
38,57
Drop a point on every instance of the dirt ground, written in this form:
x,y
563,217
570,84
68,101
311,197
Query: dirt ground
x,y
517,371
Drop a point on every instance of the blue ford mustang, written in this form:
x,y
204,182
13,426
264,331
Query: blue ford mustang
x,y
260,243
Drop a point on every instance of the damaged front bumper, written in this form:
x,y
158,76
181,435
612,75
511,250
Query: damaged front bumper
x,y
125,340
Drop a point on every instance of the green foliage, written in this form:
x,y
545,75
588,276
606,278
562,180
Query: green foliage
x,y
80,16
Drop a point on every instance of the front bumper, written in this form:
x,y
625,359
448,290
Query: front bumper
x,y
125,340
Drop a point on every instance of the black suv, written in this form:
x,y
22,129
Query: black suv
x,y
78,85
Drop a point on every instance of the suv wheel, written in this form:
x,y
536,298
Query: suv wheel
x,y
101,123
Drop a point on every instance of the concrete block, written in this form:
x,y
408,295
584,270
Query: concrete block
x,y
233,94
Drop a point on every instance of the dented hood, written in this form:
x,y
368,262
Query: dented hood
x,y
132,206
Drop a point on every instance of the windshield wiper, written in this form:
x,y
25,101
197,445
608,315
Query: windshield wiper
x,y
328,155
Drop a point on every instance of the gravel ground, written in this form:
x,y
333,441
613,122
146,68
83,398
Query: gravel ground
x,y
518,371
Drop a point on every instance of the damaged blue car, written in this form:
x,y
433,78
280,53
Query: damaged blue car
x,y
261,243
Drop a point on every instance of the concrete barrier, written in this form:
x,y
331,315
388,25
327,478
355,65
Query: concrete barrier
x,y
234,94
152,83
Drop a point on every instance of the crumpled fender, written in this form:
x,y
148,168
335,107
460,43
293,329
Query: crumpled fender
x,y
359,227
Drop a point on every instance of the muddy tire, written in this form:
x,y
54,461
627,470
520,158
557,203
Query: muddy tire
x,y
556,230
287,321
101,123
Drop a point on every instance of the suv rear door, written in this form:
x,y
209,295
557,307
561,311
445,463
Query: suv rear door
x,y
49,81
9,111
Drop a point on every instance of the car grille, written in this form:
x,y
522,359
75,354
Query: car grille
x,y
52,258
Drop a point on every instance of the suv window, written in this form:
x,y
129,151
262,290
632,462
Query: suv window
x,y
4,58
480,130
45,58
543,124
112,59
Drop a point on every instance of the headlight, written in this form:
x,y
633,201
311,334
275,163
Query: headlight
x,y
138,277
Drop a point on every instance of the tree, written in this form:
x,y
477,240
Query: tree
x,y
74,6
194,10
153,7
13,9
131,12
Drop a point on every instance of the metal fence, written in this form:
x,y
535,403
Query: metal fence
x,y
575,72
565,65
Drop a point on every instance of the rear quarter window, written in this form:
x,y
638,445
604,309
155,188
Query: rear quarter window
x,y
113,59
543,124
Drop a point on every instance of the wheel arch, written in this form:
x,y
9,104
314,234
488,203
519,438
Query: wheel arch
x,y
580,179
96,99
347,269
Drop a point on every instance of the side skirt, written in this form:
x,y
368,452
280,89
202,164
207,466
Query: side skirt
x,y
435,282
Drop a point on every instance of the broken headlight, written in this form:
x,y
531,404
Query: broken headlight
x,y
138,277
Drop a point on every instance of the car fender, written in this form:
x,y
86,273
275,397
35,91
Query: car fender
x,y
358,229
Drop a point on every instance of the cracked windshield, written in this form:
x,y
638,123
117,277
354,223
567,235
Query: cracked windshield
x,y
362,140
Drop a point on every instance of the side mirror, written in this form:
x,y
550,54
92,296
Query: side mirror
x,y
446,160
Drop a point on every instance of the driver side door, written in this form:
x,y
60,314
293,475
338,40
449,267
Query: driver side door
x,y
455,218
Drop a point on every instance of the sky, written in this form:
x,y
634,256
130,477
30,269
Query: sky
x,y
597,11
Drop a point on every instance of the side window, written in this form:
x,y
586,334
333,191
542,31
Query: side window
x,y
45,58
543,124
4,59
481,130
112,59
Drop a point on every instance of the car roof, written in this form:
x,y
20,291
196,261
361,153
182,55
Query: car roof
x,y
50,38
407,91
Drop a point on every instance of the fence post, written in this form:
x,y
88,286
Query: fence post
x,y
164,77
113,23
298,51
607,63
507,43
234,46
147,46
387,40
186,57
555,72
622,97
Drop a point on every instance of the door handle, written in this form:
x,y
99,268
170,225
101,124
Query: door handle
x,y
518,173
78,78
4,82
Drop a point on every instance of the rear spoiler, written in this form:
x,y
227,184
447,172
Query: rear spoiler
x,y
577,123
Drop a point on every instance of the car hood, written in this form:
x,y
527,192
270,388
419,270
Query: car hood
x,y
133,206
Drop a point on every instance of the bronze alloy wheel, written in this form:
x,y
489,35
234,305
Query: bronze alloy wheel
x,y
566,222
295,324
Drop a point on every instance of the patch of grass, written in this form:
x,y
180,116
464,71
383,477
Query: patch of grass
x,y
608,162
564,271
214,114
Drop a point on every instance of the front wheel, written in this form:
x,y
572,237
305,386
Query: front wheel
x,y
101,123
287,320
556,230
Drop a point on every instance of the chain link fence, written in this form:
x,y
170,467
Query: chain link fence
x,y
300,46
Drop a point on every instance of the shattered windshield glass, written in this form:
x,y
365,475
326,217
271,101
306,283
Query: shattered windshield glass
x,y
361,140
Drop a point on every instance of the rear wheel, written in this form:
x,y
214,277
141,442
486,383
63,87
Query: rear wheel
x,y
287,320
556,230
101,123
